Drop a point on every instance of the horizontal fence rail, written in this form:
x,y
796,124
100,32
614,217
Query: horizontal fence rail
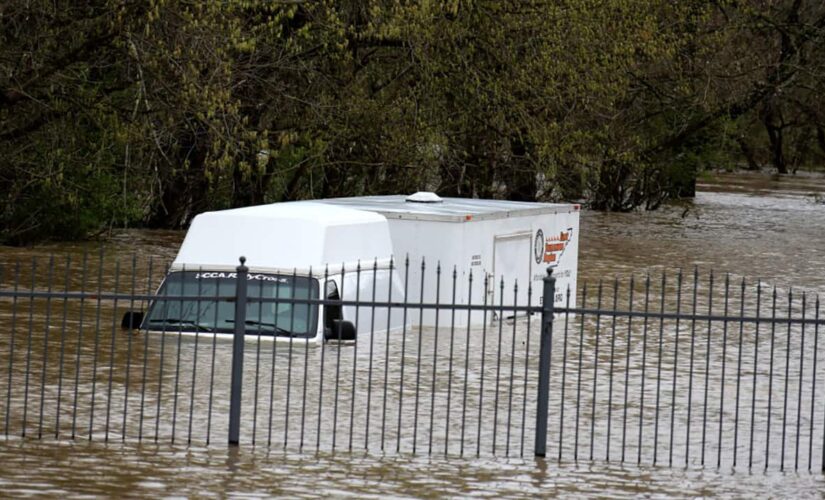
x,y
673,369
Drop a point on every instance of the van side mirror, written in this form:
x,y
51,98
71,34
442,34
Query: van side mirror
x,y
341,331
131,320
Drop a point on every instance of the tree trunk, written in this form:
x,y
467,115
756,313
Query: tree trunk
x,y
185,194
521,185
747,151
775,138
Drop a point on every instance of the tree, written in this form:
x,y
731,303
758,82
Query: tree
x,y
115,115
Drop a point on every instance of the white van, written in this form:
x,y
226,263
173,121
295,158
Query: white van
x,y
314,250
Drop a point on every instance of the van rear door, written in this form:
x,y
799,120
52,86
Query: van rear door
x,y
512,261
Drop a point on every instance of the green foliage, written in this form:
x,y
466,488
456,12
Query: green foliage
x,y
67,190
123,114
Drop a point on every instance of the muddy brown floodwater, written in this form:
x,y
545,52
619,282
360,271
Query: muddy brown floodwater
x,y
748,225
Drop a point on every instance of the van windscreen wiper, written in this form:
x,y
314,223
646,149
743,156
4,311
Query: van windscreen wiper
x,y
179,321
278,329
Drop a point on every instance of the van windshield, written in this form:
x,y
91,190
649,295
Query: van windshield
x,y
207,314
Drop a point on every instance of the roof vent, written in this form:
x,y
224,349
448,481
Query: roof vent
x,y
424,197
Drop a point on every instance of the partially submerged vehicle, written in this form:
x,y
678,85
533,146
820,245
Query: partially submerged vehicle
x,y
359,249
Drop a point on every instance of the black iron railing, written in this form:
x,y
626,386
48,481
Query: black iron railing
x,y
671,370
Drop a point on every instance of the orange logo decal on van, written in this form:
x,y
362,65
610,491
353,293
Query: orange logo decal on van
x,y
555,245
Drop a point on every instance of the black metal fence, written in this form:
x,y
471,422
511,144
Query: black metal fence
x,y
673,369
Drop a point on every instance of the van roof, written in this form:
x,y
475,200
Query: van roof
x,y
310,211
447,209
283,237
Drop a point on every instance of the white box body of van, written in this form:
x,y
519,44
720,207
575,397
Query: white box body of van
x,y
503,242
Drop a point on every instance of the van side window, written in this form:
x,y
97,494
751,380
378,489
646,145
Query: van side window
x,y
332,312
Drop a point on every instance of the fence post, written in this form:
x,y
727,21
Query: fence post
x,y
548,296
237,354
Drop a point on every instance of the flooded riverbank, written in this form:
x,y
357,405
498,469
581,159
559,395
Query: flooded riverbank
x,y
747,225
